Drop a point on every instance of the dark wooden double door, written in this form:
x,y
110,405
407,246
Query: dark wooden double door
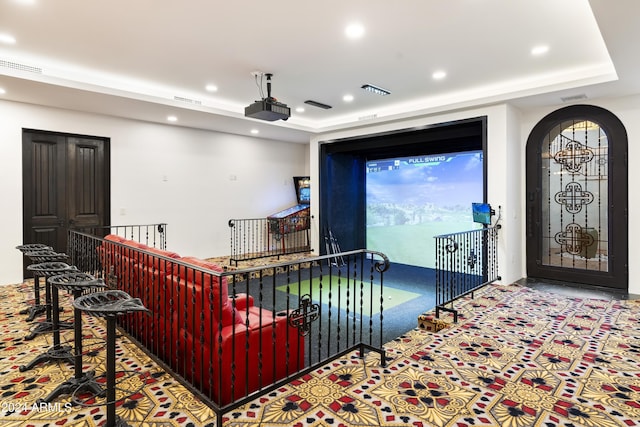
x,y
65,186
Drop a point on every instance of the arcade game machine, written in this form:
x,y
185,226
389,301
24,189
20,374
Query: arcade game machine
x,y
286,226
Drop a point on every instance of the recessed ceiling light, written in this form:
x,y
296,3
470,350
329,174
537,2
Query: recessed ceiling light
x,y
2,91
300,110
540,50
211,88
375,89
354,30
172,118
439,75
7,39
347,98
255,131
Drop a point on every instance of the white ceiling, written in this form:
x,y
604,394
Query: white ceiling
x,y
148,59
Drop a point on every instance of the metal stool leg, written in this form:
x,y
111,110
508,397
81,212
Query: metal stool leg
x,y
81,381
51,309
35,249
56,352
36,309
110,304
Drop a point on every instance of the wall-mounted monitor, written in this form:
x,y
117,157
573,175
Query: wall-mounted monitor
x,y
481,213
303,189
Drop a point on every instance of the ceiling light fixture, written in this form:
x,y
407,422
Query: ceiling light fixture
x,y
172,119
375,89
439,75
354,31
2,91
255,131
347,98
7,39
540,50
211,88
299,109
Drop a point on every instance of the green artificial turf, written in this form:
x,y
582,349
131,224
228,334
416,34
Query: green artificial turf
x,y
338,287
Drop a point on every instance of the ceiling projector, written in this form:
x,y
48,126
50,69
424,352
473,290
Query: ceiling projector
x,y
268,108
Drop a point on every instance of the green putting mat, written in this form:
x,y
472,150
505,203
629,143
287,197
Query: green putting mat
x,y
392,296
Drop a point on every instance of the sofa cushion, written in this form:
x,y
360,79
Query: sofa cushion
x,y
155,263
114,238
218,286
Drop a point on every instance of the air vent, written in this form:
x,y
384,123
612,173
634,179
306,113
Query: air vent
x,y
317,104
187,100
369,117
20,67
574,98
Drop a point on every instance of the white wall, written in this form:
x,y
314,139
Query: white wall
x,y
193,180
504,152
627,109
198,198
508,130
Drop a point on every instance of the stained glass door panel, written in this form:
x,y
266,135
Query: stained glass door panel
x,y
574,197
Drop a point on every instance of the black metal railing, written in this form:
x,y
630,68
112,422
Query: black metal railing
x,y
465,262
153,235
267,237
231,336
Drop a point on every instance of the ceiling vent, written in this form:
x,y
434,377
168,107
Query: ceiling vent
x,y
317,104
369,117
20,67
187,100
574,98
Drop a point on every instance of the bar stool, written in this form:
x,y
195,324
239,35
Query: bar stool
x,y
27,250
109,305
38,257
49,269
77,283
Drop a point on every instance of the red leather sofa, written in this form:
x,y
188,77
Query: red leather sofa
x,y
224,345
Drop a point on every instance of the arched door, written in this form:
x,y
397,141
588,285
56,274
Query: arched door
x,y
577,227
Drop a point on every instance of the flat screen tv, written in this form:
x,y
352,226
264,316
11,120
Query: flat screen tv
x,y
481,213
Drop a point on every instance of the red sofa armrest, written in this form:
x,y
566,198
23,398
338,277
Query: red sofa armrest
x,y
242,301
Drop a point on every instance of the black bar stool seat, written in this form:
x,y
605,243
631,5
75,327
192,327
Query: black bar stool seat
x,y
77,283
109,305
32,246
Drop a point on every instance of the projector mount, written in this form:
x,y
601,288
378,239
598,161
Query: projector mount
x,y
269,98
267,108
